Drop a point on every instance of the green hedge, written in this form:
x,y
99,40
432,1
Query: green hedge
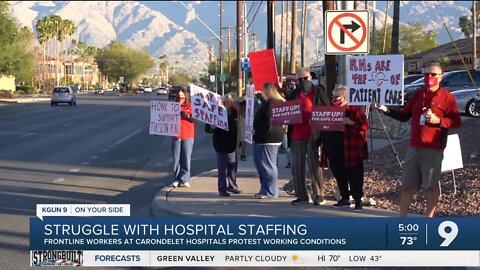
x,y
26,90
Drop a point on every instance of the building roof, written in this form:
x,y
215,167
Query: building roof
x,y
464,45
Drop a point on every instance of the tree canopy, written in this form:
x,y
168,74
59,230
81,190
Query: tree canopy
x,y
17,56
117,60
413,39
466,22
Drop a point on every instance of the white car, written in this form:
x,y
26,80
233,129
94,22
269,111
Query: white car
x,y
147,89
162,91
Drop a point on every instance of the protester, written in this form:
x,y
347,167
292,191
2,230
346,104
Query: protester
x,y
182,145
433,111
267,140
225,144
304,146
346,150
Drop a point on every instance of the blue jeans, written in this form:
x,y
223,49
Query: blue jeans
x,y
182,156
265,157
227,171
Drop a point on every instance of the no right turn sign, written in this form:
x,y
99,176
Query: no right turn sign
x,y
347,32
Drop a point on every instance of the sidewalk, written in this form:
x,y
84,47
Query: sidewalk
x,y
202,198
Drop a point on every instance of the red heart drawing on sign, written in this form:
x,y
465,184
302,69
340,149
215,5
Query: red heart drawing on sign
x,y
378,78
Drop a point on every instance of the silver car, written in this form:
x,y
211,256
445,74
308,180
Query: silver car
x,y
63,94
466,101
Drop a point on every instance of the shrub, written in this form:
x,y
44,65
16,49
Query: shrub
x,y
6,94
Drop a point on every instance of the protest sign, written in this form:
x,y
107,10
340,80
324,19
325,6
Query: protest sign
x,y
264,68
375,78
286,113
164,118
452,154
328,118
249,113
208,107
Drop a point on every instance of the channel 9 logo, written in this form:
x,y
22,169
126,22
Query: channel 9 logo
x,y
56,258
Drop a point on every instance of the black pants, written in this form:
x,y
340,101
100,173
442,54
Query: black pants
x,y
346,176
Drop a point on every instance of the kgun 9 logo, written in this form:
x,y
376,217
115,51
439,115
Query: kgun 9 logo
x,y
448,230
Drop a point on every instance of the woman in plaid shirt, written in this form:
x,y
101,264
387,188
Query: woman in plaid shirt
x,y
347,150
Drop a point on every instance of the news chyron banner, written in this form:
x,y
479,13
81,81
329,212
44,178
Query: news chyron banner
x,y
111,239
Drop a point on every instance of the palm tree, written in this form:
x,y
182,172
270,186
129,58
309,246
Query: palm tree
x,y
45,32
164,65
66,28
56,22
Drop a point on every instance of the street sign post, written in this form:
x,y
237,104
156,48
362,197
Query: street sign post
x,y
347,32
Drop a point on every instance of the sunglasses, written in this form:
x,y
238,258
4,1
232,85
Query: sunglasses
x,y
432,74
303,79
336,98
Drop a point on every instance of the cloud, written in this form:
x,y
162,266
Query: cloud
x,y
192,14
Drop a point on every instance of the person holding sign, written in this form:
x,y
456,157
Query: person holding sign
x,y
267,140
182,145
433,111
304,145
225,144
346,150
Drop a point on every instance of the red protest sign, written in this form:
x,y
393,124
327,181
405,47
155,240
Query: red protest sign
x,y
286,113
328,118
264,68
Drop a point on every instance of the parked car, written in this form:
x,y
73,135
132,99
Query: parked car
x,y
63,94
162,90
147,89
172,92
408,79
452,80
466,101
477,103
99,91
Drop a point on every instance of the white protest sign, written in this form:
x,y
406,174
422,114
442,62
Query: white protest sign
x,y
249,113
164,118
375,78
82,210
452,154
208,107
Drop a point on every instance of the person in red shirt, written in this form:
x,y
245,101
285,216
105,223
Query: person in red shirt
x,y
303,144
182,145
433,111
346,150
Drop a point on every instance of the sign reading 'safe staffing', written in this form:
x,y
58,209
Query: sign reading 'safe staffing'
x,y
376,78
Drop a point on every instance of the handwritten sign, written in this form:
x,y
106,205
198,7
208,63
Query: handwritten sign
x,y
264,68
375,78
328,118
286,113
249,113
164,118
208,107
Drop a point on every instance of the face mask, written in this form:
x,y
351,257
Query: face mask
x,y
305,85
181,100
337,102
430,81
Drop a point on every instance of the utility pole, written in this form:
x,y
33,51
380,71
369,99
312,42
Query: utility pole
x,y
254,39
318,50
239,48
287,51
220,52
385,27
374,32
330,60
474,19
270,22
229,58
281,42
304,31
395,27
293,52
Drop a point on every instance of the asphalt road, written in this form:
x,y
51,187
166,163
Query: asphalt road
x,y
96,152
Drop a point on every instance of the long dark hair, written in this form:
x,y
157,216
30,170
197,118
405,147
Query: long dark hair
x,y
185,92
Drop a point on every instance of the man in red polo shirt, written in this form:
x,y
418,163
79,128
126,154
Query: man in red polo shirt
x,y
433,111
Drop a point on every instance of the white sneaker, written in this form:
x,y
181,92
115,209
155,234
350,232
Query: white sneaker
x,y
175,184
184,184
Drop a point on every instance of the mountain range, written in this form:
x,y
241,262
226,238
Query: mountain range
x,y
177,28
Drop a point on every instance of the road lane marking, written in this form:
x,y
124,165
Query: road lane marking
x,y
74,170
68,124
85,163
58,180
122,140
105,150
26,135
93,157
